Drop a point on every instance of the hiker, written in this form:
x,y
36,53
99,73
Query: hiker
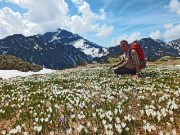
x,y
131,62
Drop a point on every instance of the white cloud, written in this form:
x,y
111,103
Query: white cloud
x,y
130,39
175,6
78,2
155,34
104,31
43,16
47,14
88,21
13,22
172,32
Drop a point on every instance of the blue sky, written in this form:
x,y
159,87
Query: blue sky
x,y
105,22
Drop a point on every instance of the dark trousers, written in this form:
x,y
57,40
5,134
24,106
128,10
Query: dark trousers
x,y
124,70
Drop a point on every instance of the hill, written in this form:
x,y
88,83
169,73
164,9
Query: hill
x,y
9,62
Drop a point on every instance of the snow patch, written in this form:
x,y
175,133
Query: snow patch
x,y
7,74
87,49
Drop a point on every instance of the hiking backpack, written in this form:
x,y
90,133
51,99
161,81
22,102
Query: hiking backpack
x,y
137,47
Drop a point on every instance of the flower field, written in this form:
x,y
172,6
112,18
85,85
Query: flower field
x,y
92,101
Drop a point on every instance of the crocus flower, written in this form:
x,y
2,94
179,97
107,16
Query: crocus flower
x,y
94,104
95,129
39,128
80,128
62,120
3,132
2,101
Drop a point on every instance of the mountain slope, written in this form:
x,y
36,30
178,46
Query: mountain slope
x,y
152,48
34,49
157,48
175,44
63,37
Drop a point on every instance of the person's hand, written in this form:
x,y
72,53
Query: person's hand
x,y
136,76
113,66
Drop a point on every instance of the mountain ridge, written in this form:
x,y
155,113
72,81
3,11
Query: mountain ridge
x,y
63,49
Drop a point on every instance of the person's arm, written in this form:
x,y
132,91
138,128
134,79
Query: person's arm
x,y
137,70
119,63
136,62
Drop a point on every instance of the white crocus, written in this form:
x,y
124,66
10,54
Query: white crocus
x,y
149,127
115,111
172,119
110,126
39,128
88,124
102,115
109,132
42,119
170,112
94,114
13,131
80,128
118,128
128,117
161,133
36,119
110,118
73,116
46,119
95,129
168,124
25,133
118,120
3,132
69,131
123,124
104,122
174,132
50,109
127,129
18,128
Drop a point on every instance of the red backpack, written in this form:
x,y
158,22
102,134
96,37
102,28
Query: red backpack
x,y
137,47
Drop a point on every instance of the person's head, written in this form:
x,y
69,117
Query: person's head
x,y
124,45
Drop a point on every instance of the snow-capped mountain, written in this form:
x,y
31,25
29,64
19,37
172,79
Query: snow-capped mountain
x,y
153,48
157,48
63,37
34,49
175,44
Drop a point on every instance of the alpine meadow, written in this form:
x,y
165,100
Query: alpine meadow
x,y
92,100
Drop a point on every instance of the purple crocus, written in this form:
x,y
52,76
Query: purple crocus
x,y
2,101
62,120
94,104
